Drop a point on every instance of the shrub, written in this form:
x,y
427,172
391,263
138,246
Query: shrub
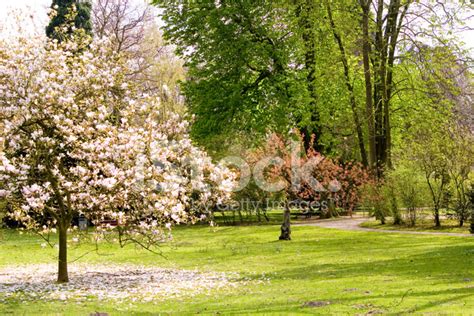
x,y
375,200
409,189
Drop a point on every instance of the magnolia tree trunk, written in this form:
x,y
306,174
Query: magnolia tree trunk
x,y
62,259
286,225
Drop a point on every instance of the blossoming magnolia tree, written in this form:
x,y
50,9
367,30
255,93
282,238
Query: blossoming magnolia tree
x,y
79,140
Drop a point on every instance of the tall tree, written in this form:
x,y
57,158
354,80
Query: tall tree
x,y
65,155
63,8
244,63
349,85
307,14
257,67
135,34
380,51
366,53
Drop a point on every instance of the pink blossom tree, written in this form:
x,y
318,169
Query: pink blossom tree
x,y
307,176
78,140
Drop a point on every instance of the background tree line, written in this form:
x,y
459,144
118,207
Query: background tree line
x,y
385,83
337,69
369,78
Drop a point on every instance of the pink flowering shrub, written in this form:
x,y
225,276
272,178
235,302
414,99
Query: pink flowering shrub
x,y
311,176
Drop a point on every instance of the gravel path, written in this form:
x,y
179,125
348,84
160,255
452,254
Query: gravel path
x,y
348,223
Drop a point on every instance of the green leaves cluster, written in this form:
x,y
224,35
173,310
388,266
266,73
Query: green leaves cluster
x,y
63,8
244,64
256,67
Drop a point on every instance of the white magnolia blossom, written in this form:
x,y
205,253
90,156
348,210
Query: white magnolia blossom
x,y
79,140
115,283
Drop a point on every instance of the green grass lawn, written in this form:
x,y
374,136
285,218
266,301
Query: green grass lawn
x,y
447,226
357,272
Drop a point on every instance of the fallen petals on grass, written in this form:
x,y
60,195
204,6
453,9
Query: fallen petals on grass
x,y
109,282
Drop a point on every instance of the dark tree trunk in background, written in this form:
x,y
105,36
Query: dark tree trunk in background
x,y
306,21
470,194
471,229
63,276
436,217
379,59
350,87
286,225
369,111
437,196
381,51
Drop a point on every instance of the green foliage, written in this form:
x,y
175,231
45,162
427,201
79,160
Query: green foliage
x,y
375,199
259,67
244,66
408,189
459,154
401,194
393,202
423,224
63,8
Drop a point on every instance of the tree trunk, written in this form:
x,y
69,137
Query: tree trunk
x,y
369,110
286,225
436,217
306,23
241,219
265,215
62,259
350,87
379,60
471,229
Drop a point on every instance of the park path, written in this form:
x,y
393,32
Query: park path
x,y
348,223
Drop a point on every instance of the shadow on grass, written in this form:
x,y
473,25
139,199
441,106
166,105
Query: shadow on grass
x,y
424,264
406,274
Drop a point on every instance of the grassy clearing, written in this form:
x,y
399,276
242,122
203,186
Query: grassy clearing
x,y
447,226
356,272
